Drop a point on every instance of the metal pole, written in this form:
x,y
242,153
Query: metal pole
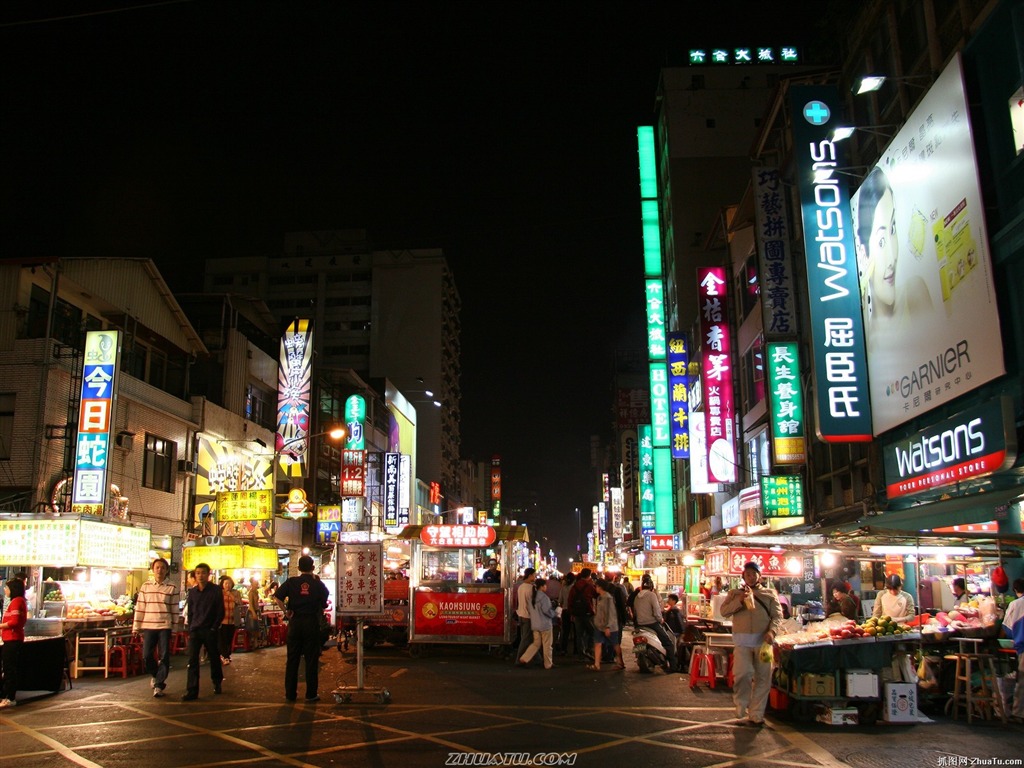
x,y
359,652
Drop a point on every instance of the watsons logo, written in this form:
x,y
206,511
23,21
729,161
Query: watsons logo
x,y
830,220
975,443
952,446
931,372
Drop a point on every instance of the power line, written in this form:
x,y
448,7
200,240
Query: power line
x,y
93,13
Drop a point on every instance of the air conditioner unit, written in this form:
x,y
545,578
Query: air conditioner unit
x,y
186,466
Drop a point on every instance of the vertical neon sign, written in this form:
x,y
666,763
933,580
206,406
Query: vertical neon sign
x,y
294,386
95,419
716,374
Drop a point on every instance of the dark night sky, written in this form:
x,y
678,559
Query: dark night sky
x,y
503,133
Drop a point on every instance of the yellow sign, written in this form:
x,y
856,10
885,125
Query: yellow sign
x,y
234,506
218,558
260,558
230,556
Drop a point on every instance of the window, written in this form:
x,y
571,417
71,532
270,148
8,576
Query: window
x,y
6,424
261,407
158,466
753,374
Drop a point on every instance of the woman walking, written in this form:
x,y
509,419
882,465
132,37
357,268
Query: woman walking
x,y
228,626
541,614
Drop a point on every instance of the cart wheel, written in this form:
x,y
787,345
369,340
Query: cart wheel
x,y
384,697
867,712
342,698
803,711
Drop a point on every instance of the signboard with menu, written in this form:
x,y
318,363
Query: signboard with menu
x,y
245,505
72,542
360,588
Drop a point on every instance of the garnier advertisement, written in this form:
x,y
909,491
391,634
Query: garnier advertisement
x,y
930,318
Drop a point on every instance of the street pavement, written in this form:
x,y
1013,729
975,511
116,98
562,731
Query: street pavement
x,y
456,706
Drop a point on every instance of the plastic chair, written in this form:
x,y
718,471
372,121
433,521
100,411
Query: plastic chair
x,y
240,641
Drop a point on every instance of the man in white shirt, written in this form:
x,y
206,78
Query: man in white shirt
x,y
1013,625
156,611
524,596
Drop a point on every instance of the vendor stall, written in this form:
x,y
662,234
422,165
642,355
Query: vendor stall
x,y
96,556
450,603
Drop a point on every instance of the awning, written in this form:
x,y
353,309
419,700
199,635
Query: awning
x,y
963,510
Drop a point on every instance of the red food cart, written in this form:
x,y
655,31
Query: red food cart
x,y
449,602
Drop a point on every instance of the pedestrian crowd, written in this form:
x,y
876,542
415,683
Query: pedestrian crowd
x,y
584,616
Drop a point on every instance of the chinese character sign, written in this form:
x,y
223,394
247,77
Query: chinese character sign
x,y
646,472
391,490
775,267
458,535
787,403
678,395
782,496
294,381
98,399
360,589
837,328
716,373
353,473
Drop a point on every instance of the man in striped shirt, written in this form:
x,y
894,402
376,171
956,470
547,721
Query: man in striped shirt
x,y
156,611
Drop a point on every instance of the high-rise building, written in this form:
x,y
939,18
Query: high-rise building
x,y
381,313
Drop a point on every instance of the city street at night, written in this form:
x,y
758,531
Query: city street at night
x,y
454,701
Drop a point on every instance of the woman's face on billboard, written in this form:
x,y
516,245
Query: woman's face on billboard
x,y
883,252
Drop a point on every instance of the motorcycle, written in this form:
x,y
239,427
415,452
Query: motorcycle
x,y
648,650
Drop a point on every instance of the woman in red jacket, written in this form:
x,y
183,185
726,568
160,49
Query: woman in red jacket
x,y
12,632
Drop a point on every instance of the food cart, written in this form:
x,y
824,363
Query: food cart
x,y
449,602
82,611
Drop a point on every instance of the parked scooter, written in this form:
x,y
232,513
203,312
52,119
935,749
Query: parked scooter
x,y
648,650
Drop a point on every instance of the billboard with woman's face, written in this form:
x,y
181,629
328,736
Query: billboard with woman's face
x,y
930,317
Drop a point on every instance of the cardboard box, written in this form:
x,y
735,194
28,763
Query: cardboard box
x,y
899,705
816,685
839,716
861,683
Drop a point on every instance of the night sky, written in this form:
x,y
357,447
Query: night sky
x,y
503,133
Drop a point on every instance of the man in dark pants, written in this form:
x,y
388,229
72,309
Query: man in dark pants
x,y
205,612
307,598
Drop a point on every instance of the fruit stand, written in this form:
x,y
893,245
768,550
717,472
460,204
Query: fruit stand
x,y
833,670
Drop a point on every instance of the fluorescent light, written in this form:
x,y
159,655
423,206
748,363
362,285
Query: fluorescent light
x,y
870,83
906,549
842,132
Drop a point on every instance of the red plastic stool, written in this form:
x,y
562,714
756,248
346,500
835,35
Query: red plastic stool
x,y
179,642
119,660
710,677
240,640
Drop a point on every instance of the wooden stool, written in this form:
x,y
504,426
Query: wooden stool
x,y
986,698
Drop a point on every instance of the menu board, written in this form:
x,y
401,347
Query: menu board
x,y
69,542
360,579
235,506
113,546
39,542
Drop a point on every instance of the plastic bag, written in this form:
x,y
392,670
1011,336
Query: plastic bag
x,y
988,611
765,653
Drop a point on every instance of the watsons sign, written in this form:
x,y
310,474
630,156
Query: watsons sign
x,y
837,327
976,442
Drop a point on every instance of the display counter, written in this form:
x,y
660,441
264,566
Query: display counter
x,y
41,664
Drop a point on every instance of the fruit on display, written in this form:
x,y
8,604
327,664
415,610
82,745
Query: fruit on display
x,y
884,626
53,596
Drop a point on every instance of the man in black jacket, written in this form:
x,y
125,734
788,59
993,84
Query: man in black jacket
x,y
204,607
306,598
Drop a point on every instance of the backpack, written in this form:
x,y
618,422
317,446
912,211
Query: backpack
x,y
579,605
